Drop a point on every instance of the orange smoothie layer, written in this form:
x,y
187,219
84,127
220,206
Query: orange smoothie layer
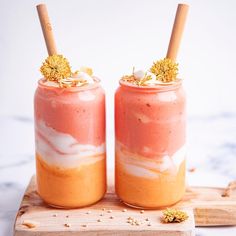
x,y
71,187
145,192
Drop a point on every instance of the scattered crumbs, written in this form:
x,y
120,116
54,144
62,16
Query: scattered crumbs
x,y
30,224
101,214
193,169
103,209
111,217
67,216
124,210
146,219
88,212
54,215
133,221
84,226
174,216
99,220
149,224
109,211
68,225
227,191
142,211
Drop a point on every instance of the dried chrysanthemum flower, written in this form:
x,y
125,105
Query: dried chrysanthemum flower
x,y
56,68
165,70
174,216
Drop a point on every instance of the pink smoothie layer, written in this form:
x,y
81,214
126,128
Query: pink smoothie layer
x,y
80,114
150,122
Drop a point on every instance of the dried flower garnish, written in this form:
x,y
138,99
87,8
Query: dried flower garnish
x,y
136,80
165,70
174,216
56,68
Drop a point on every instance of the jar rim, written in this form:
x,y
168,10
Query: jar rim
x,y
71,89
159,87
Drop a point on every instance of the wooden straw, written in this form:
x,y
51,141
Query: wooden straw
x,y
47,29
177,31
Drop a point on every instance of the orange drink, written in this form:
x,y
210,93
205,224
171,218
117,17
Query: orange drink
x,y
70,143
150,144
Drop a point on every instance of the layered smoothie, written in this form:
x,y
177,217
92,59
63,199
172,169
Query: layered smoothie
x,y
70,141
150,141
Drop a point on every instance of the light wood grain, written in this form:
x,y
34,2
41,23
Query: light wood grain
x,y
51,222
207,205
210,208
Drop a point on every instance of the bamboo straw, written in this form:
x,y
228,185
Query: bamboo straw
x,y
177,31
47,29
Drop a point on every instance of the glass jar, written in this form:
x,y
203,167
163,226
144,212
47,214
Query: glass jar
x,y
70,144
150,144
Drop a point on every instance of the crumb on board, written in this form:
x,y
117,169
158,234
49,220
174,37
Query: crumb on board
x,y
29,224
192,169
68,225
133,221
227,191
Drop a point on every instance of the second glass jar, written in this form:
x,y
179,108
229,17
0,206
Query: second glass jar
x,y
150,144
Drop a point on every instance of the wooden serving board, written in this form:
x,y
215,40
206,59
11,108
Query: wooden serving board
x,y
108,217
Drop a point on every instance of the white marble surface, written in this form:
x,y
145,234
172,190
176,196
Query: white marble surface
x,y
211,149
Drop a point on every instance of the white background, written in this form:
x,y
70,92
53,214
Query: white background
x,y
113,36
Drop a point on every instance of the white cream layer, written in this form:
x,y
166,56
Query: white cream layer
x,y
63,150
141,166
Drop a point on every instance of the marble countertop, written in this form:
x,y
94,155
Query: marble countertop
x,y
211,150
